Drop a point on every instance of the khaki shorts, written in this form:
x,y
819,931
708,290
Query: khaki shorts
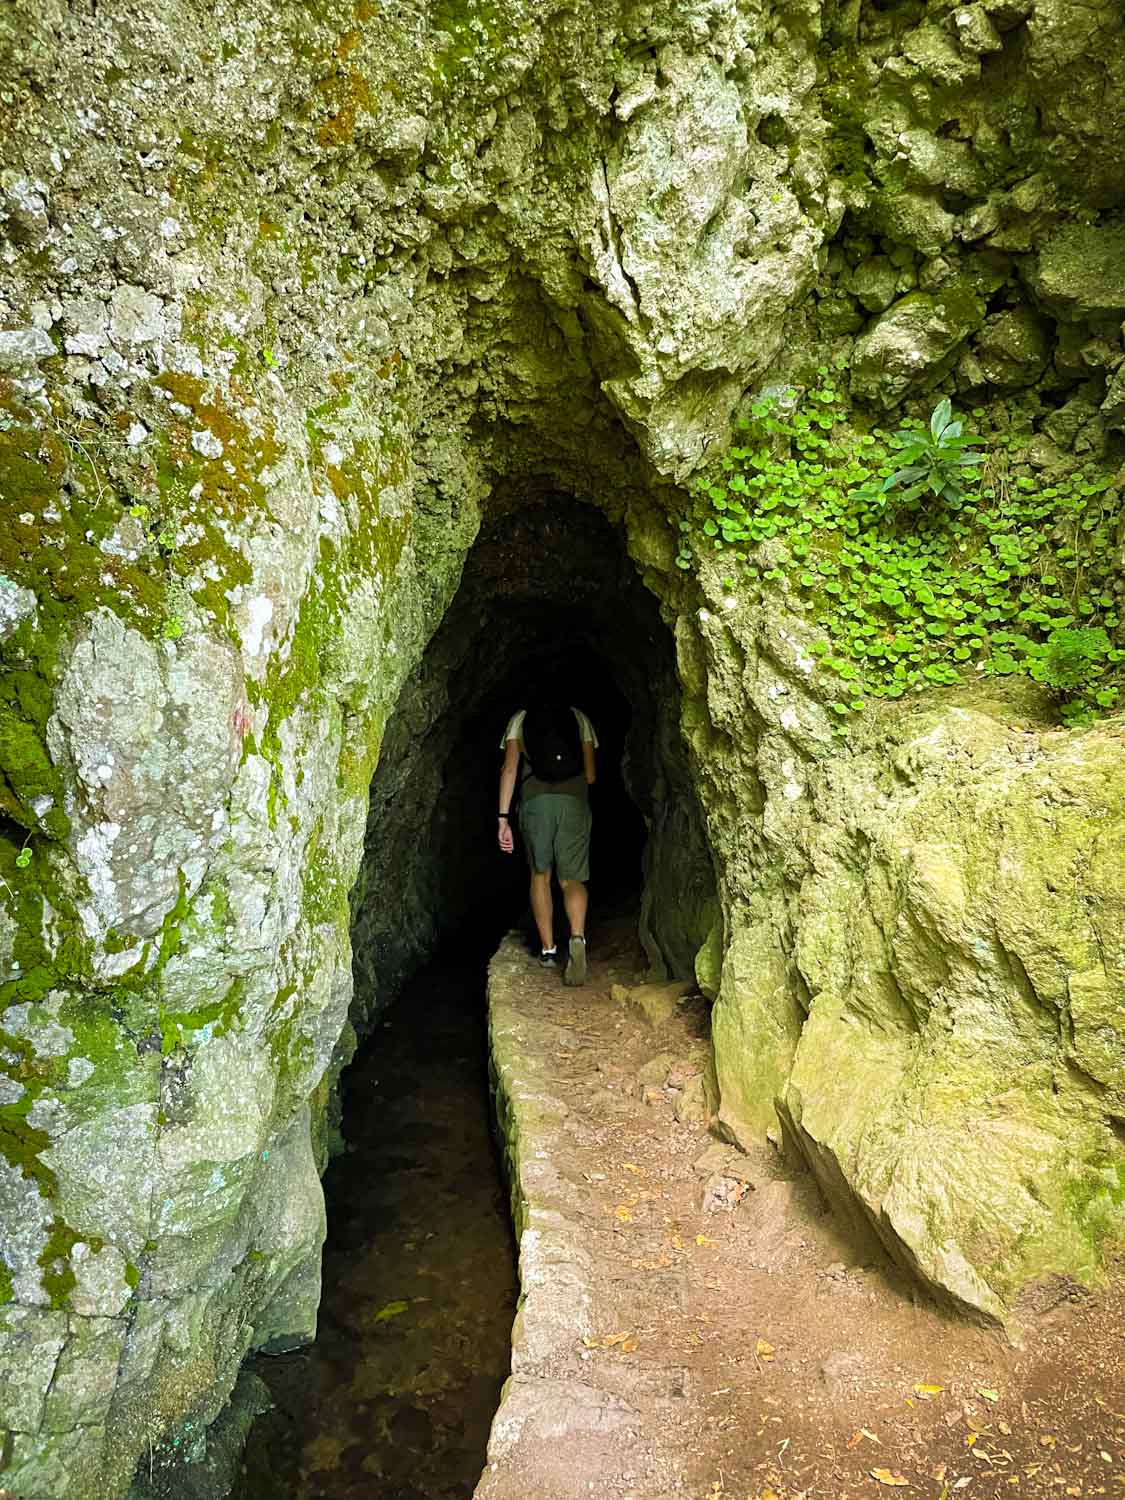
x,y
556,831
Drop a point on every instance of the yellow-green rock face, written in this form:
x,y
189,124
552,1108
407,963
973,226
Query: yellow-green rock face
x,y
295,298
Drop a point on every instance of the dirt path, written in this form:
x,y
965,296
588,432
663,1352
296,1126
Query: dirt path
x,y
693,1325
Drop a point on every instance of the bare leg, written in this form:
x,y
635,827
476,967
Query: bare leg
x,y
543,906
575,899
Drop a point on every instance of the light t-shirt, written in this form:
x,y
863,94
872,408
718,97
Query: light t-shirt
x,y
514,730
532,787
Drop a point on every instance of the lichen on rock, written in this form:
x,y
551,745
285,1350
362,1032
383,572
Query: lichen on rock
x,y
297,301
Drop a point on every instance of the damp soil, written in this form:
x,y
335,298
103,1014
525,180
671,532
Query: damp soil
x,y
736,1343
396,1395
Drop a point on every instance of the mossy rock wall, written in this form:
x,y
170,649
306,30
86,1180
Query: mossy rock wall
x,y
292,295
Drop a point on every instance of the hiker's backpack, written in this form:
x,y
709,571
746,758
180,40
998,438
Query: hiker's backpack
x,y
552,742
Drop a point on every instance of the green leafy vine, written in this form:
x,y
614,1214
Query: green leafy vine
x,y
920,560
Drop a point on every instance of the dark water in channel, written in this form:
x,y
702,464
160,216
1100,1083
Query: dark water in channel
x,y
395,1398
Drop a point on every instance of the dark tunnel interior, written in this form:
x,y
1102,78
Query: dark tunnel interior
x,y
582,676
549,598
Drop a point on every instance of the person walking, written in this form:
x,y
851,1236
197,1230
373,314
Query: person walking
x,y
549,754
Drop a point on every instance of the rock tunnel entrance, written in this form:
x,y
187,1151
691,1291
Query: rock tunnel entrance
x,y
417,1207
548,592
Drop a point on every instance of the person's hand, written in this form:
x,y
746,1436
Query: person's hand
x,y
507,842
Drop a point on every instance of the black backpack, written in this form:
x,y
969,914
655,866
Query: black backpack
x,y
552,742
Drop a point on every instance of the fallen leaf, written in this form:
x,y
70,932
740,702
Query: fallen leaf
x,y
939,1473
855,1440
884,1476
960,1484
970,1439
622,1213
701,1239
988,1395
632,1167
610,1339
1048,1440
870,1435
925,1391
764,1350
390,1310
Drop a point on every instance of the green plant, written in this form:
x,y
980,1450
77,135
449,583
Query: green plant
x,y
172,629
934,459
23,858
1073,662
991,581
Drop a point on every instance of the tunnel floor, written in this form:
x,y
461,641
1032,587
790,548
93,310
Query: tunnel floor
x,y
697,1325
396,1396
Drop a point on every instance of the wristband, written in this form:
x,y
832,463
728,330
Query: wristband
x,y
506,816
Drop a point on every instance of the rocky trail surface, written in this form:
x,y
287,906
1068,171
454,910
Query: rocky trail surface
x,y
692,1322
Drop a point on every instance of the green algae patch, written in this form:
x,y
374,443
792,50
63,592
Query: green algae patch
x,y
1096,1199
54,543
368,553
58,1277
21,1144
27,776
179,1027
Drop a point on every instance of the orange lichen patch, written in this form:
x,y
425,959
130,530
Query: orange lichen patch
x,y
366,10
347,43
230,481
186,389
346,94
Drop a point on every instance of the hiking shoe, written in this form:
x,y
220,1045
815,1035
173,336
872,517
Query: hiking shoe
x,y
576,962
548,958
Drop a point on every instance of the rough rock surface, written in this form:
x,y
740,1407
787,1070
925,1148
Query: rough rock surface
x,y
293,297
691,1311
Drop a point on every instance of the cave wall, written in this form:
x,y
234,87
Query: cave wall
x,y
290,295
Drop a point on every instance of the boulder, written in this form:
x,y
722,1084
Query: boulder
x,y
1080,272
1013,348
913,344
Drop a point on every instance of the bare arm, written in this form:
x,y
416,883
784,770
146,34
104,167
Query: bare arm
x,y
588,763
508,773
